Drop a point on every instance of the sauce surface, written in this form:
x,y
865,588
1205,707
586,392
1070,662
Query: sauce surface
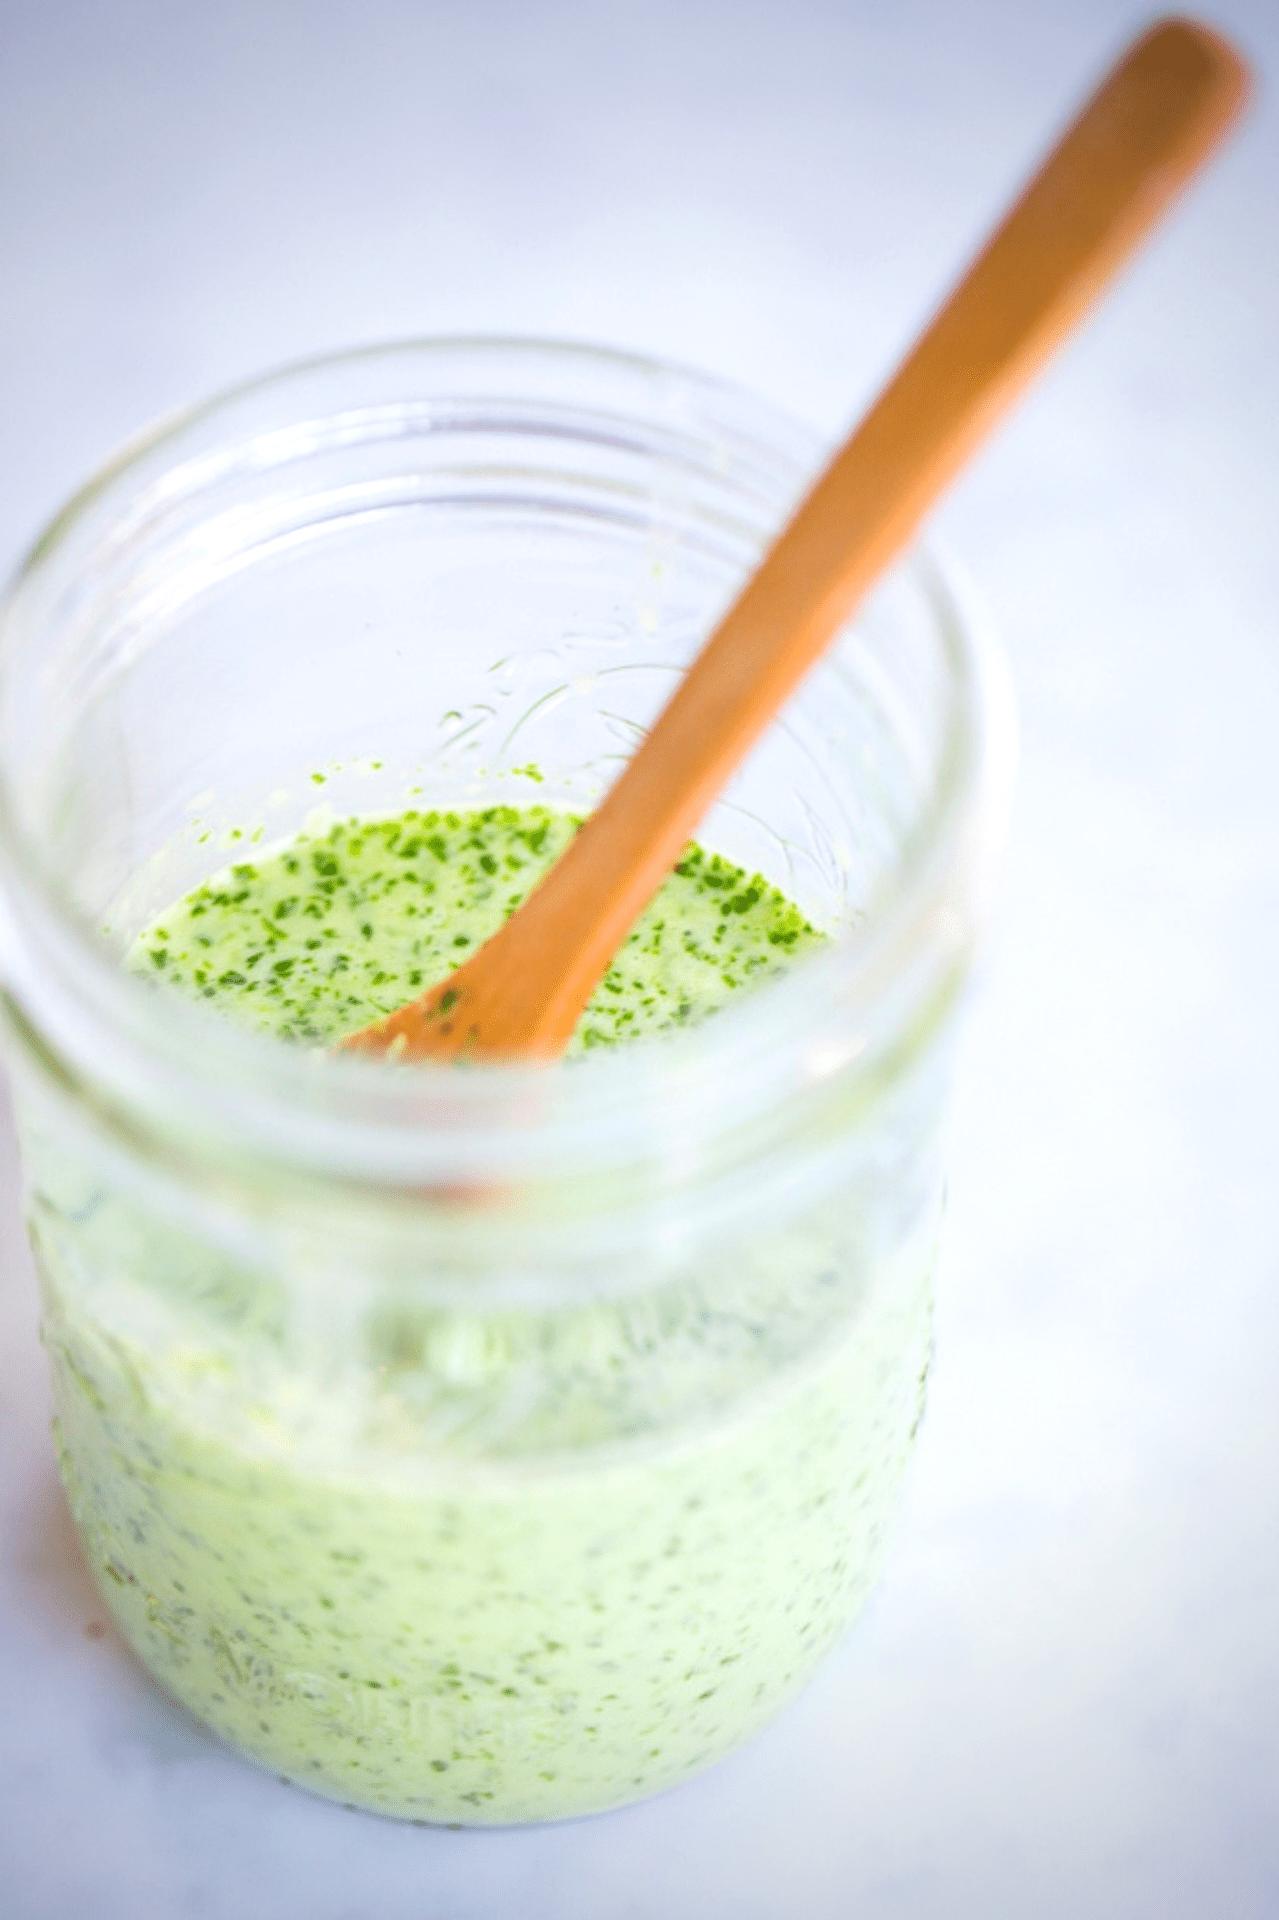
x,y
334,930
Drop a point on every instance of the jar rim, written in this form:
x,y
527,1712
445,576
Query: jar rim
x,y
193,1080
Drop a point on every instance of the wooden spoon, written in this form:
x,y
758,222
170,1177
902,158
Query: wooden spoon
x,y
1151,124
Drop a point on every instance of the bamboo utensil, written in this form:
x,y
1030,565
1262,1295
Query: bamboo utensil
x,y
1137,142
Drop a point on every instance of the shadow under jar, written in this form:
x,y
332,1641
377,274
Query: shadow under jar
x,y
494,1444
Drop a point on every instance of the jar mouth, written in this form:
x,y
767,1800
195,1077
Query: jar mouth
x,y
195,1084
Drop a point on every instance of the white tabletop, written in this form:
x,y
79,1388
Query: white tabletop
x,y
1064,1697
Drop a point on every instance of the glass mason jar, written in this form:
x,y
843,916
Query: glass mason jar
x,y
494,1444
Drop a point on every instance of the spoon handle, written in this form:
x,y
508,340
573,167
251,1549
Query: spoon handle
x,y
1140,138
1143,134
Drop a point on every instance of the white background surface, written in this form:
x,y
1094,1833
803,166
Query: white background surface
x,y
1064,1699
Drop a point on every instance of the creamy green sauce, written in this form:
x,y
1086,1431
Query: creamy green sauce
x,y
488,1567
330,932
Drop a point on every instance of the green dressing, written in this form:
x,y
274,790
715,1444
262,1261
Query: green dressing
x,y
502,1566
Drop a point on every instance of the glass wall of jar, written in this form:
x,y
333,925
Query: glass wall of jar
x,y
493,1444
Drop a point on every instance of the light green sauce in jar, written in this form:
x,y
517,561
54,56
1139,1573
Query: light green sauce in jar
x,y
510,1565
